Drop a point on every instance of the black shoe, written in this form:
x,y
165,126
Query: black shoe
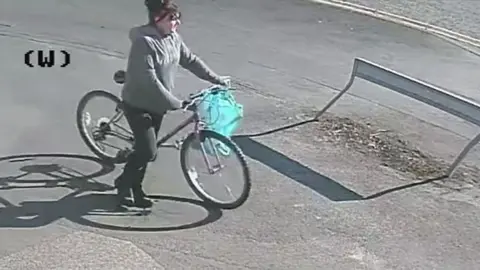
x,y
142,202
140,199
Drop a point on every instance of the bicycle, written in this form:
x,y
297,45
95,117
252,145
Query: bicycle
x,y
103,128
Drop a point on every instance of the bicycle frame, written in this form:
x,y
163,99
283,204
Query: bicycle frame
x,y
195,118
105,129
192,119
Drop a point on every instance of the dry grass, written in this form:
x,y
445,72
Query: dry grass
x,y
388,148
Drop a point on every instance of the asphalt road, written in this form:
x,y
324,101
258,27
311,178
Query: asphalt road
x,y
309,206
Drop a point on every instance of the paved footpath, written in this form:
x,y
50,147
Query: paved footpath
x,y
460,16
309,207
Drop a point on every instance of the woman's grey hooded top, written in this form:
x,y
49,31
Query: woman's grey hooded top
x,y
152,65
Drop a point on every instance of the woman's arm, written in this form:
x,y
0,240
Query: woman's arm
x,y
194,64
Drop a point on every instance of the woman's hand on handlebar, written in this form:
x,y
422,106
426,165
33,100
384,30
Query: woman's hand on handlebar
x,y
225,81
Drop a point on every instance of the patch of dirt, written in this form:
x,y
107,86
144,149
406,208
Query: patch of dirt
x,y
385,146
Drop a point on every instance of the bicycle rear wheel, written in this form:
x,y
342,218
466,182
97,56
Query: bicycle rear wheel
x,y
108,134
213,148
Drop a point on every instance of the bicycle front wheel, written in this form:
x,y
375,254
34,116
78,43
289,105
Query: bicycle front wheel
x,y
219,157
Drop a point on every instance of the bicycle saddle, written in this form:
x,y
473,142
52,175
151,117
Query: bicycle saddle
x,y
119,76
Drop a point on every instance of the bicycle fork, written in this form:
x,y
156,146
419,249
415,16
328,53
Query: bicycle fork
x,y
215,168
211,169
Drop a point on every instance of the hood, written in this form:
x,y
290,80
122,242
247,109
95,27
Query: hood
x,y
145,30
141,31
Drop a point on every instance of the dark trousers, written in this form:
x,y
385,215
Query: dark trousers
x,y
145,126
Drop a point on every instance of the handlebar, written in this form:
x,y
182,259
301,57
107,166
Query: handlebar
x,y
214,89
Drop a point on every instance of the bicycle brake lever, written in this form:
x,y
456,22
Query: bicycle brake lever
x,y
188,105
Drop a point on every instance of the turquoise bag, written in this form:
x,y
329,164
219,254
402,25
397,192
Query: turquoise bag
x,y
222,114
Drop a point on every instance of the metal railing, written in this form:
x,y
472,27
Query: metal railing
x,y
416,89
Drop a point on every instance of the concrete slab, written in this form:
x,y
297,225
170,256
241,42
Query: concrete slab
x,y
81,250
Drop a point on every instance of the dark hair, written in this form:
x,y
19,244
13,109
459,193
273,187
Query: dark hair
x,y
157,7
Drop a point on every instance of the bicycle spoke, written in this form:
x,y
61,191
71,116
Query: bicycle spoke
x,y
117,115
112,146
101,146
119,136
122,128
229,190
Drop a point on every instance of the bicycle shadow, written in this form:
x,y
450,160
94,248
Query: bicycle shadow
x,y
51,174
88,196
102,205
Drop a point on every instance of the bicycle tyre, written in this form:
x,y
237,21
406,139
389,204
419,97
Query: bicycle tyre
x,y
236,150
82,128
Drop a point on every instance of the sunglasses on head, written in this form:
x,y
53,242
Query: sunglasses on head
x,y
175,16
171,15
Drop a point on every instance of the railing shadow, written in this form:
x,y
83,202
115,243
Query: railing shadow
x,y
292,169
404,187
298,172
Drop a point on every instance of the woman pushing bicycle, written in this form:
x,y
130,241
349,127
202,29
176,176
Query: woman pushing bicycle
x,y
155,54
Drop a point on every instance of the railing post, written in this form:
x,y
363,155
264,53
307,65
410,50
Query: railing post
x,y
462,155
341,93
